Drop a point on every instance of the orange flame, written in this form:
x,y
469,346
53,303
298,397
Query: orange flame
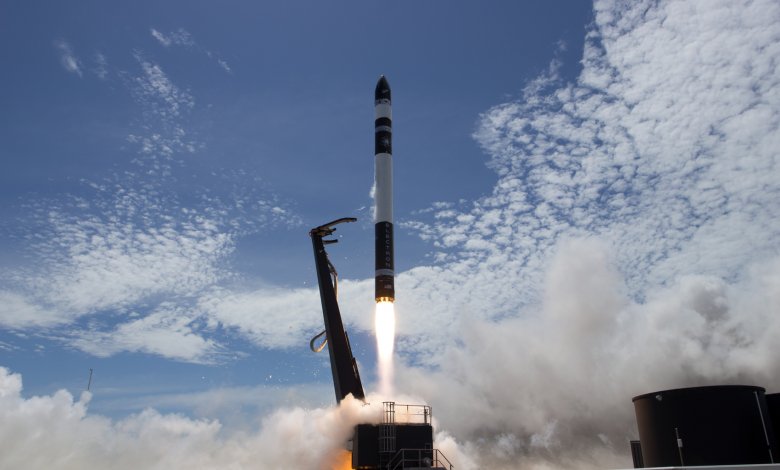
x,y
341,461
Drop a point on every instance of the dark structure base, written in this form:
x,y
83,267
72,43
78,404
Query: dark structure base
x,y
366,452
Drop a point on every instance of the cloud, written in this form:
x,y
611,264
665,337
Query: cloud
x,y
123,267
144,273
553,388
57,432
238,407
100,69
133,263
68,59
281,318
160,92
225,66
114,263
169,331
273,318
180,37
18,311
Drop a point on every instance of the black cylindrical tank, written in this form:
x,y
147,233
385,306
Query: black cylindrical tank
x,y
716,425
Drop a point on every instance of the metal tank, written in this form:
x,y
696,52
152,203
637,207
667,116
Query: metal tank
x,y
715,425
773,404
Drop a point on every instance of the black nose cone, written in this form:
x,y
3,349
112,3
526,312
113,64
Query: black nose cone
x,y
382,89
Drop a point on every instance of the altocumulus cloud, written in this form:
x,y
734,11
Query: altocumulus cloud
x,y
181,37
127,253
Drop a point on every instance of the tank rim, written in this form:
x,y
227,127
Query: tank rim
x,y
676,391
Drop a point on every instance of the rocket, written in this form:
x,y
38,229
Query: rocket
x,y
383,193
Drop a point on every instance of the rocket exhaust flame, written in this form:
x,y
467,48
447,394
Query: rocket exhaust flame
x,y
384,324
341,461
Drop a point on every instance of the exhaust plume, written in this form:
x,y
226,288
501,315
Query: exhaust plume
x,y
385,341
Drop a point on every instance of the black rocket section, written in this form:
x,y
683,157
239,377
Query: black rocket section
x,y
385,281
383,125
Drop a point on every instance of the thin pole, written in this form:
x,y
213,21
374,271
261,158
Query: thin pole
x,y
679,446
763,425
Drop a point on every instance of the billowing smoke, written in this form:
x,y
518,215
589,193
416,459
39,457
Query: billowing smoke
x,y
553,389
57,432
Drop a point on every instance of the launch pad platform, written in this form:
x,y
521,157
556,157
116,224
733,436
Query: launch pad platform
x,y
403,440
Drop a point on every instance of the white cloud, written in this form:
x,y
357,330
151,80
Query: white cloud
x,y
238,407
222,63
160,37
56,432
114,261
274,318
169,331
17,311
553,388
111,256
281,318
144,272
100,69
110,262
166,107
68,59
154,85
180,37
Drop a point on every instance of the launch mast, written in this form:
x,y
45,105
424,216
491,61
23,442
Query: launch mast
x,y
346,378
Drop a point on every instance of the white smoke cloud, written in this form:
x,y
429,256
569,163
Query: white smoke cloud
x,y
56,432
553,388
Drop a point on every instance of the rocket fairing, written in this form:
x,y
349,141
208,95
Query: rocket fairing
x,y
383,193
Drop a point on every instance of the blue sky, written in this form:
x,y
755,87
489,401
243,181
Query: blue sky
x,y
582,191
